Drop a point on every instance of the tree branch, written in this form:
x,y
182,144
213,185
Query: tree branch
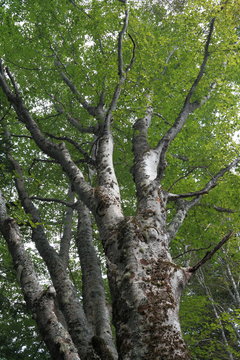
x,y
210,254
65,203
72,309
82,129
94,299
190,250
58,152
188,106
190,171
182,211
210,185
88,159
121,74
67,231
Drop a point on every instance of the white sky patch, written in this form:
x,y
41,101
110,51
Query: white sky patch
x,y
236,137
42,106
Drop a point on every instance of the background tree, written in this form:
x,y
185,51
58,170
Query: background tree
x,y
119,124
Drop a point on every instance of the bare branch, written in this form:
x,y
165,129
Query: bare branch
x,y
121,73
191,250
68,204
190,171
120,42
188,106
58,152
88,159
210,185
82,129
22,136
90,109
182,211
186,195
221,209
128,68
210,254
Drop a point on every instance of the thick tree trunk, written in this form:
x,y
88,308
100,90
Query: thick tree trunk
x,y
146,287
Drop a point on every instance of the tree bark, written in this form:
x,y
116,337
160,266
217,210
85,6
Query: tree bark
x,y
40,301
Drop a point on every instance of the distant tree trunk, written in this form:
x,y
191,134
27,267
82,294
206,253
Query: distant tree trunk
x,y
209,294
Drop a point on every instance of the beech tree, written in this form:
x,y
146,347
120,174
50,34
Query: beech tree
x,y
119,123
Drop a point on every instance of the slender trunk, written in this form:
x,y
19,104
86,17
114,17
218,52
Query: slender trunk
x,y
209,294
67,297
39,301
94,300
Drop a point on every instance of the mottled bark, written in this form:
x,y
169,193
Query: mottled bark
x,y
66,293
146,287
94,300
40,301
67,231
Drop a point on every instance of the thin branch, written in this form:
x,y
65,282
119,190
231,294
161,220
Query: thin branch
x,y
90,109
190,194
121,73
78,7
35,160
190,171
204,62
209,186
221,209
65,203
6,113
75,144
161,117
188,106
210,254
14,84
128,68
190,250
22,136
82,129
120,41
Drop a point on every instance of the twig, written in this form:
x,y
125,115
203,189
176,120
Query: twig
x,y
210,185
68,204
188,106
210,254
128,68
121,73
22,136
191,250
75,144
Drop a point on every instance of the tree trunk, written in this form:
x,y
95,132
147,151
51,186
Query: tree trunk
x,y
145,286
